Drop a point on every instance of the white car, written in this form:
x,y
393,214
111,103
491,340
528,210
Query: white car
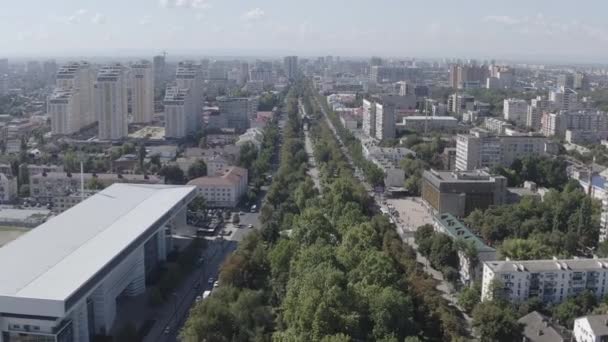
x,y
198,298
216,284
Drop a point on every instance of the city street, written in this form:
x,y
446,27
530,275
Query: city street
x,y
410,215
313,171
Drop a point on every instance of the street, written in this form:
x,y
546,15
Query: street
x,y
405,231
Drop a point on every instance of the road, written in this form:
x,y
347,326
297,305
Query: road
x,y
407,235
313,170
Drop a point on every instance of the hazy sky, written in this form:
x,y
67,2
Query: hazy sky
x,y
423,28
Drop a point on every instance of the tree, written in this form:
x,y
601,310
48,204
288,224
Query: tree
x,y
469,297
95,184
197,169
496,323
141,155
247,155
173,174
524,249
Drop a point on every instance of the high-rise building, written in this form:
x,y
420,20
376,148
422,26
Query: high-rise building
x,y
159,69
369,118
565,81
80,76
49,70
537,107
460,103
515,110
142,91
556,124
190,76
64,111
238,111
290,64
564,99
392,74
385,120
581,81
179,112
4,84
462,75
111,102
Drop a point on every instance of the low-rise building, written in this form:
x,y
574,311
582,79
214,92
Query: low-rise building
x,y
540,328
253,136
592,328
470,266
551,281
45,186
461,192
63,203
496,126
28,217
419,123
223,190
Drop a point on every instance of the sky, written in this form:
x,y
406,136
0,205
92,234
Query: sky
x,y
526,29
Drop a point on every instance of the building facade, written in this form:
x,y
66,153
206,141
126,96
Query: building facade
x,y
369,118
551,281
64,110
180,113
515,110
142,91
460,192
238,111
111,102
592,328
225,190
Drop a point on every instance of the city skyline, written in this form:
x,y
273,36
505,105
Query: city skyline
x,y
539,30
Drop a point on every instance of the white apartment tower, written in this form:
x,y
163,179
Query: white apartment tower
x,y
111,102
190,76
179,112
64,110
369,118
515,110
78,80
535,112
142,91
385,121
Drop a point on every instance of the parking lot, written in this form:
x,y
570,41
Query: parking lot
x,y
412,213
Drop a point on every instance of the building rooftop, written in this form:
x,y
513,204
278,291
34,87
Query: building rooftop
x,y
230,177
460,176
598,324
538,328
60,257
547,265
457,230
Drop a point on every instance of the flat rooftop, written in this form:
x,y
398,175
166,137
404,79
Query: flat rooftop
x,y
56,259
548,265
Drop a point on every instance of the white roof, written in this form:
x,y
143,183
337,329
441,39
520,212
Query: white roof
x,y
55,259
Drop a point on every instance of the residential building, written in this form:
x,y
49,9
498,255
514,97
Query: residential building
x,y
189,75
385,121
592,328
480,149
111,102
515,110
8,188
223,190
419,123
496,126
45,186
460,192
238,111
462,76
142,91
581,81
536,109
369,118
290,64
392,74
470,267
180,112
448,158
565,81
564,99
64,111
159,69
63,203
460,103
540,328
551,281
72,268
253,136
557,123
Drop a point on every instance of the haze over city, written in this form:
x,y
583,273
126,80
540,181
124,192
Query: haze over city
x,y
532,30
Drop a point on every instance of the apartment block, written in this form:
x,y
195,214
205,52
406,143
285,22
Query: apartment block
x,y
515,110
419,123
470,270
111,102
238,111
564,99
180,112
45,186
591,328
290,64
385,121
496,126
536,109
480,148
369,118
557,123
551,281
142,91
460,103
64,110
460,192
